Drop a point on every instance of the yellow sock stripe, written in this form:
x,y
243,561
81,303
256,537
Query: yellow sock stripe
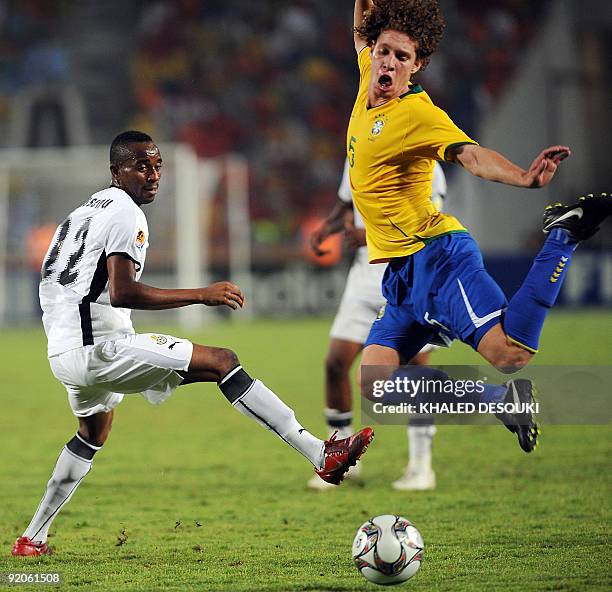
x,y
529,349
557,273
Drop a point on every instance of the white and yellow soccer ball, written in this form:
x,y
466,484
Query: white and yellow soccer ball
x,y
388,550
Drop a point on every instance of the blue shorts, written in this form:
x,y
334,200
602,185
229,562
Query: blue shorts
x,y
440,293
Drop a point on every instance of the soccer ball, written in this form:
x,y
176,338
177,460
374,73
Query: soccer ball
x,y
388,550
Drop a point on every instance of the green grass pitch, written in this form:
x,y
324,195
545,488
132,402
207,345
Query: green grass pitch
x,y
193,496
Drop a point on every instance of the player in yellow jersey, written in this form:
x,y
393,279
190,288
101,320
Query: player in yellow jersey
x,y
435,284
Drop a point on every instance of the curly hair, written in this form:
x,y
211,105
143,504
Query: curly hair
x,y
421,20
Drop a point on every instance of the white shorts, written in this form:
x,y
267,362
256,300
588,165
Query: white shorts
x,y
361,301
97,376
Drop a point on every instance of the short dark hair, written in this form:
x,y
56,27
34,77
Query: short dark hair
x,y
421,20
119,151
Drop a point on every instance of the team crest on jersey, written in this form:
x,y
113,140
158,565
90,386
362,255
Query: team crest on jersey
x,y
379,124
140,239
159,339
381,312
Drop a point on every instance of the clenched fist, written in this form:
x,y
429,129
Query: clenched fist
x,y
223,294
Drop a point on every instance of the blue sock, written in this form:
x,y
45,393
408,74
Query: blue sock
x,y
493,393
527,310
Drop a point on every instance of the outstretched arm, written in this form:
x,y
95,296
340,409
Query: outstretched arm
x,y
492,166
332,224
361,6
126,292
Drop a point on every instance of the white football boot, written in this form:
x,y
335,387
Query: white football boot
x,y
413,480
418,475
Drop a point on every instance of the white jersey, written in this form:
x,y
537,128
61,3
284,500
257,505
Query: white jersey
x,y
74,279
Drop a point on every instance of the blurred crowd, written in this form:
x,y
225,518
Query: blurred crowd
x,y
31,48
273,80
32,52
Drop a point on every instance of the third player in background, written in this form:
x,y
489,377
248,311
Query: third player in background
x,y
360,304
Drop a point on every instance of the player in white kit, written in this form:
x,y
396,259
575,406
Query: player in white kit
x,y
89,284
361,301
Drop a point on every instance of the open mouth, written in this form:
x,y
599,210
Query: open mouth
x,y
385,81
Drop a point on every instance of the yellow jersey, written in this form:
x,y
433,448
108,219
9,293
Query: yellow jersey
x,y
391,151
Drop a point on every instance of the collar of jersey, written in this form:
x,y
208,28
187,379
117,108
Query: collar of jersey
x,y
413,90
124,193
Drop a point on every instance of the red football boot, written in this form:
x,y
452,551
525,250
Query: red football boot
x,y
340,455
25,547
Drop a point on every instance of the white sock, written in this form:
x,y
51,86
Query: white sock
x,y
340,421
262,405
419,447
68,473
